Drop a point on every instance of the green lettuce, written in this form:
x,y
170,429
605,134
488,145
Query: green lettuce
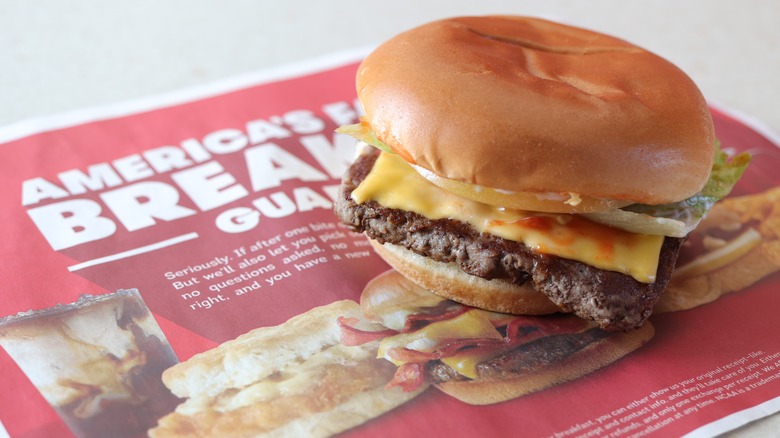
x,y
680,218
726,171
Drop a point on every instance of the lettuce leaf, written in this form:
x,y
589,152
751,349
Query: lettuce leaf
x,y
726,171
362,132
680,218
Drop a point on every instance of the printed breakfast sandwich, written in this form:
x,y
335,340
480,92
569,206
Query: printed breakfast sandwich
x,y
735,246
529,167
477,356
293,379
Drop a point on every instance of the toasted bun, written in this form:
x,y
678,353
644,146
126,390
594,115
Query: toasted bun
x,y
447,280
529,105
585,361
390,292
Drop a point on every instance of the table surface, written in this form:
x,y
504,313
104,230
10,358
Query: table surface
x,y
62,56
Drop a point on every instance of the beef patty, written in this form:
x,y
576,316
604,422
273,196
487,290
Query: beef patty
x,y
614,300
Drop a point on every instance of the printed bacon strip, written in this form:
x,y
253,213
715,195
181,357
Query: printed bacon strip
x,y
352,336
445,310
409,377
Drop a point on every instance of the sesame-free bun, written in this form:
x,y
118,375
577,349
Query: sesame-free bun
x,y
448,281
528,105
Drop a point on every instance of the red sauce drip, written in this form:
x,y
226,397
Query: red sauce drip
x,y
539,223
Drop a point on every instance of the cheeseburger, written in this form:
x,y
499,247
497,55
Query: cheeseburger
x,y
528,167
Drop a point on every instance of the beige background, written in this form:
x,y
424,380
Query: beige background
x,y
60,56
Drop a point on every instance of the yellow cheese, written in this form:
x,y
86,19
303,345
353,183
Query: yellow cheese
x,y
473,324
393,183
465,363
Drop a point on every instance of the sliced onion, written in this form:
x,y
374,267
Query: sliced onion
x,y
546,202
643,223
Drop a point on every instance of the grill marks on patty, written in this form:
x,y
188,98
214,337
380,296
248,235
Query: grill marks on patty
x,y
614,300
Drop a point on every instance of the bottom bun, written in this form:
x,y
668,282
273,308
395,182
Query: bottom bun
x,y
447,280
585,361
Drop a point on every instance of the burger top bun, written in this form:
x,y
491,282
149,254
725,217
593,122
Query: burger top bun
x,y
524,104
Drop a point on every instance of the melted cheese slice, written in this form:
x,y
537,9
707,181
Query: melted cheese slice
x,y
465,363
393,183
473,324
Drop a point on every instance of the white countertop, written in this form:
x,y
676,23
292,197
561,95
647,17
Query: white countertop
x,y
65,55
58,56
